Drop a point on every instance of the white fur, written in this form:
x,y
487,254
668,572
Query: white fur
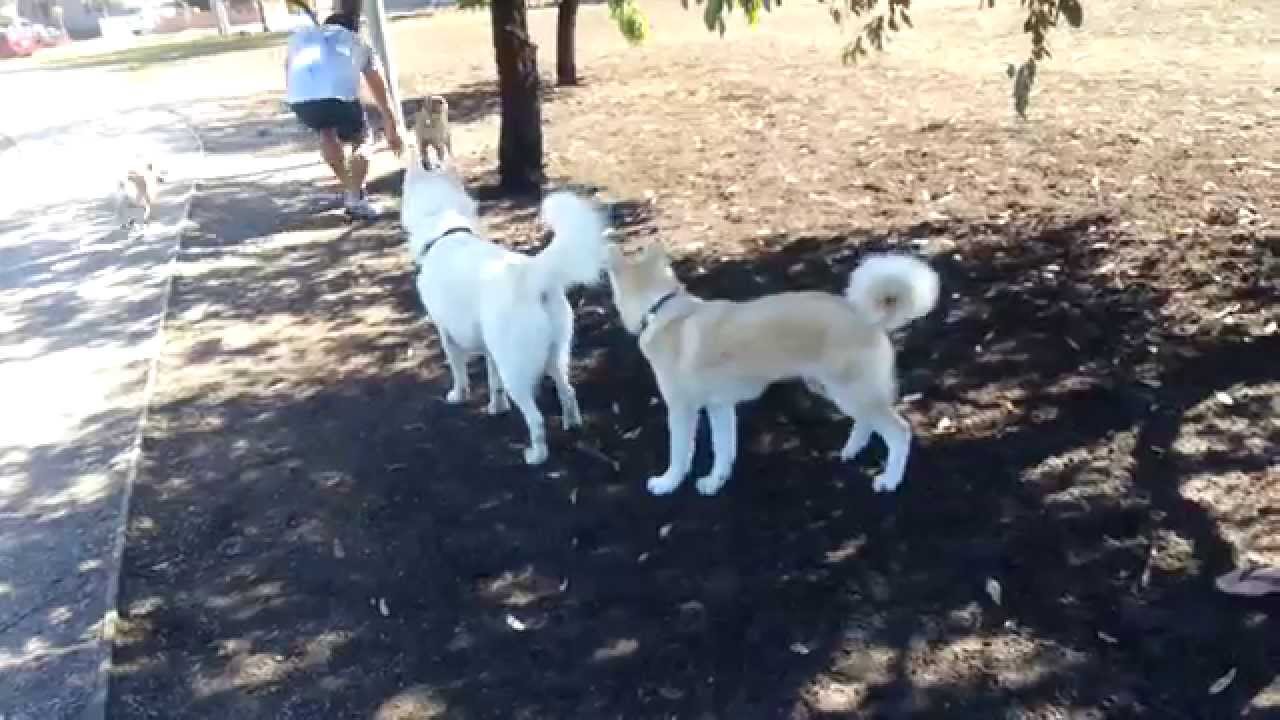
x,y
893,290
509,307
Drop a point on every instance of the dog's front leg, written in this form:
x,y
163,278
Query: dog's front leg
x,y
457,359
682,428
724,446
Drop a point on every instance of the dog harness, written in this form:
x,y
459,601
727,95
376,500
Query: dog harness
x,y
647,319
451,231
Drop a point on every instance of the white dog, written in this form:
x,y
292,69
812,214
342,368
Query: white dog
x,y
715,354
487,300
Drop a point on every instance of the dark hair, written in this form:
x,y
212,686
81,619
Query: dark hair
x,y
342,19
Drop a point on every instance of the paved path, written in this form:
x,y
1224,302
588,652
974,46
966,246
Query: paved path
x,y
81,305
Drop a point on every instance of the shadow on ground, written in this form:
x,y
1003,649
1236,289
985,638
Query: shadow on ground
x,y
316,534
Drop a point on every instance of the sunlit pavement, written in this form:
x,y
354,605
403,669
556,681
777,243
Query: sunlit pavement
x,y
81,304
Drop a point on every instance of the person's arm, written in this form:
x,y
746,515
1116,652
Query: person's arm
x,y
378,89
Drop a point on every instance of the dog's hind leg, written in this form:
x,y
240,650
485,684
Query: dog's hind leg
x,y
497,393
571,413
878,416
724,445
457,359
522,395
897,435
859,436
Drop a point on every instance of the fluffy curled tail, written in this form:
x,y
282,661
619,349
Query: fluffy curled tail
x,y
892,290
577,251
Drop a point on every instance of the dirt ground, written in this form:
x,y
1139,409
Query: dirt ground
x,y
315,534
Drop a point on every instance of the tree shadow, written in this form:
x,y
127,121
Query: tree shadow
x,y
316,533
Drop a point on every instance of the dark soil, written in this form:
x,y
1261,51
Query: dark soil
x,y
315,534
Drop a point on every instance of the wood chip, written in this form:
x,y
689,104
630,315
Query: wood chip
x,y
338,551
1224,398
1223,682
383,608
664,531
994,590
514,623
800,648
1108,639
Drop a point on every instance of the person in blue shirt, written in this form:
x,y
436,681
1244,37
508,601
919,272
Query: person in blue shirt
x,y
323,68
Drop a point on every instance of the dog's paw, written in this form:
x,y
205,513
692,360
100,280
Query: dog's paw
x,y
662,485
535,455
884,483
457,396
711,484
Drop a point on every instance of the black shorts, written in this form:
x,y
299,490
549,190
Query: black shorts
x,y
347,118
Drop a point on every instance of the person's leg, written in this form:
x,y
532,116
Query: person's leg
x,y
359,167
353,131
334,154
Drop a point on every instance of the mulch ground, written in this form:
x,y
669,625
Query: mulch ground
x,y
315,534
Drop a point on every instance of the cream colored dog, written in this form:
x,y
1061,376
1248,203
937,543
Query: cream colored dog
x,y
714,354
135,195
432,127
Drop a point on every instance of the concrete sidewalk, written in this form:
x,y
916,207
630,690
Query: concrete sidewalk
x,y
82,308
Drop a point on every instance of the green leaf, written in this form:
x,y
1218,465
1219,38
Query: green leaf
x,y
711,15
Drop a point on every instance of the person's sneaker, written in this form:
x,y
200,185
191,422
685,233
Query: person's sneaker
x,y
359,207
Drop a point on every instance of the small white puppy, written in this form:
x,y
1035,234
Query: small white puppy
x,y
487,300
432,127
712,355
135,195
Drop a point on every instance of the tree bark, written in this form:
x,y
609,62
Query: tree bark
x,y
566,53
520,92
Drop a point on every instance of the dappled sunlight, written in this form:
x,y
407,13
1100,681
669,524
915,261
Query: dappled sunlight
x,y
320,535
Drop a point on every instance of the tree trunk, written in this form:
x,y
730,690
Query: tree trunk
x,y
262,17
566,25
520,92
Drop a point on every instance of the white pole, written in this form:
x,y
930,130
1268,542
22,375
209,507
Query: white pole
x,y
381,44
222,17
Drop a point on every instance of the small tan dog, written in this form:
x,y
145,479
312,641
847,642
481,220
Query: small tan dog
x,y
432,128
714,354
135,195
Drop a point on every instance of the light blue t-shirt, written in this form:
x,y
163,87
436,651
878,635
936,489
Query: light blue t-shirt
x,y
325,62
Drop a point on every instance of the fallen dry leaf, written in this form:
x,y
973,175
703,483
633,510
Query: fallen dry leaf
x,y
1223,682
994,590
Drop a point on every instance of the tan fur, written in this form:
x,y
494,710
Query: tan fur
x,y
137,190
714,354
432,127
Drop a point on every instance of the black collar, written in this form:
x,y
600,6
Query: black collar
x,y
451,231
652,312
